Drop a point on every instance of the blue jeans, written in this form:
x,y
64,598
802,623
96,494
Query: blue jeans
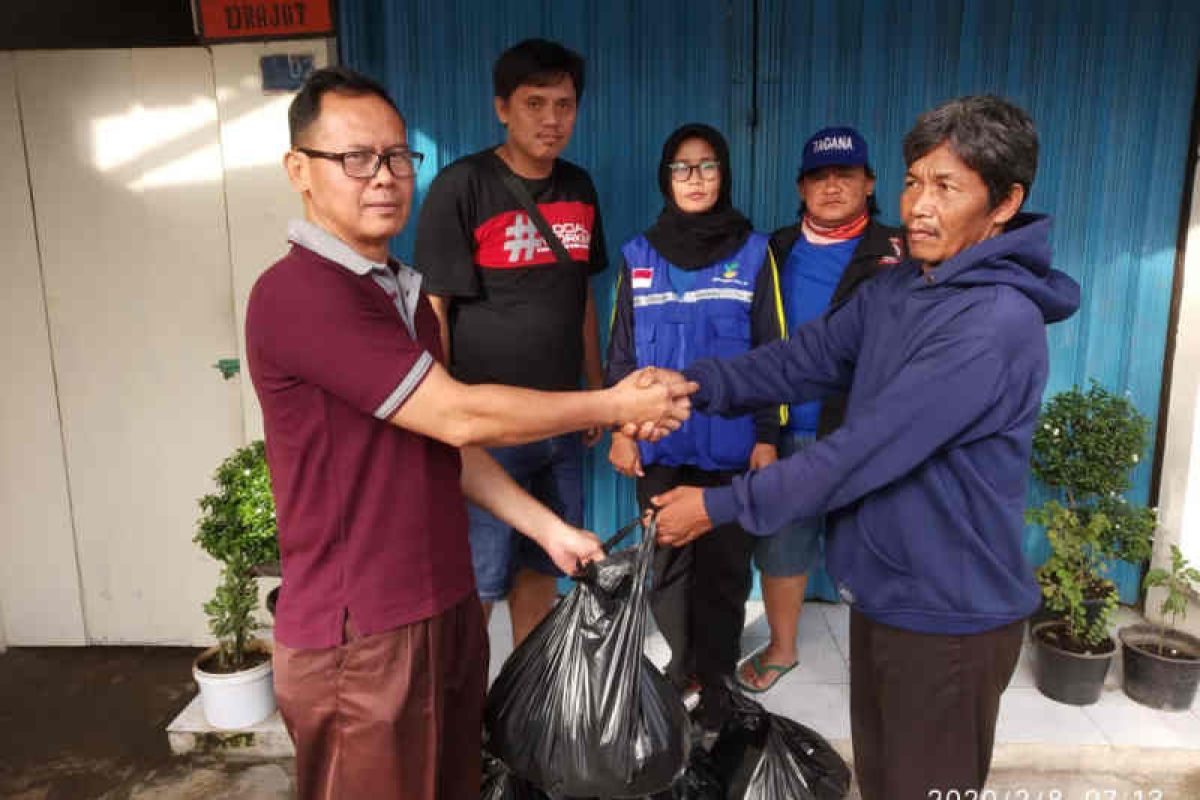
x,y
552,471
794,548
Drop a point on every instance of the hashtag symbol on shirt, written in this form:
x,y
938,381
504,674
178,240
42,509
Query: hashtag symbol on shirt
x,y
520,239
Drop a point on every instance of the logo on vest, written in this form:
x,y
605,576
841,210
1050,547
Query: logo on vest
x,y
641,277
729,274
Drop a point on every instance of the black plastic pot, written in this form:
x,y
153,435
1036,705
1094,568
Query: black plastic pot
x,y
1160,681
1073,678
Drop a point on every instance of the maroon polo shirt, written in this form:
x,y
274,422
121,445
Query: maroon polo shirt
x,y
372,519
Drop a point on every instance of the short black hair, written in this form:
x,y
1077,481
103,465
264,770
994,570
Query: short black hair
x,y
536,62
991,135
306,105
872,203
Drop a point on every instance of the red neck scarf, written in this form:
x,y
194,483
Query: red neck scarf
x,y
817,233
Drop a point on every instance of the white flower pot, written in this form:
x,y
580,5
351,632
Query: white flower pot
x,y
239,699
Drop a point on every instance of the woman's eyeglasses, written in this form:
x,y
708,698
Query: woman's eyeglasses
x,y
681,171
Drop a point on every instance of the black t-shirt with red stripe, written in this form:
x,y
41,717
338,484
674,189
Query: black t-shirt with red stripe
x,y
517,314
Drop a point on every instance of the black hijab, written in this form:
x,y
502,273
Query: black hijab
x,y
697,240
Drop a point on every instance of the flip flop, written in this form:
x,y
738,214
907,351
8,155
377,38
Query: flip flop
x,y
762,668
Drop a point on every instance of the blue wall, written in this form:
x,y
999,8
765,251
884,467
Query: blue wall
x,y
651,67
1109,83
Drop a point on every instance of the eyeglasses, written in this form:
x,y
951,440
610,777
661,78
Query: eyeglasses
x,y
681,171
366,163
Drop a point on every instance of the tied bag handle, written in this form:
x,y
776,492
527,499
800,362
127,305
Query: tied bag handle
x,y
647,543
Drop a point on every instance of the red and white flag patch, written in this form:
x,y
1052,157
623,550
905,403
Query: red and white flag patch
x,y
641,277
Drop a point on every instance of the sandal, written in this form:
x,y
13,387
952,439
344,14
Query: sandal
x,y
761,669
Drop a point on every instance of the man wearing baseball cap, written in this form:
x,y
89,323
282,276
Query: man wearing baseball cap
x,y
834,247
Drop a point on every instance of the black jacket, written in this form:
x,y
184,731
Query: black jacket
x,y
882,246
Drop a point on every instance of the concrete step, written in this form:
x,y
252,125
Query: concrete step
x,y
1094,772
1041,771
1114,750
190,733
1045,771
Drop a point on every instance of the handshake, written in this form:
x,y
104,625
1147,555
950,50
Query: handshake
x,y
652,402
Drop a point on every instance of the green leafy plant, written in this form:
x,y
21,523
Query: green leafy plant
x,y
231,615
1181,578
238,520
237,527
1084,449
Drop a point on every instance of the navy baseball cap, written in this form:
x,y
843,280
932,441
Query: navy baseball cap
x,y
830,146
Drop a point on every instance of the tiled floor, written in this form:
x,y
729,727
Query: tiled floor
x,y
817,692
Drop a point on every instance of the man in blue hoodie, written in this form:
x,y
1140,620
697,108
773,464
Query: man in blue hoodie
x,y
944,360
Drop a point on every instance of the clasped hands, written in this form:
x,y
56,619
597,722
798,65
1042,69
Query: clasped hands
x,y
652,403
682,516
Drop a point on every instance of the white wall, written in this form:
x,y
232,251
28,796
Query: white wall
x,y
1179,494
260,201
39,576
158,197
126,175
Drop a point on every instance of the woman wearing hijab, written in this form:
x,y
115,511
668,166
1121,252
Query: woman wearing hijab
x,y
699,282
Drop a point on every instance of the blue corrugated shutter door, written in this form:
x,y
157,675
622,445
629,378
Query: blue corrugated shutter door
x,y
1109,83
650,68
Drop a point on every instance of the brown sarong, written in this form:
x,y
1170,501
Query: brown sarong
x,y
394,715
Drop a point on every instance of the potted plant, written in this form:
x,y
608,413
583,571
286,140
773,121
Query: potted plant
x,y
237,527
1162,663
1084,449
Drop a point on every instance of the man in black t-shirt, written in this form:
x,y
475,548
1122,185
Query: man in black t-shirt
x,y
510,312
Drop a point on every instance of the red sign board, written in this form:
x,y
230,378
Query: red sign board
x,y
224,20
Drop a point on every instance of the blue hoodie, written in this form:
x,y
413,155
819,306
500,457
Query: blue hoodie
x,y
928,474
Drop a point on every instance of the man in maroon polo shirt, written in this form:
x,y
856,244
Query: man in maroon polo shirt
x,y
381,650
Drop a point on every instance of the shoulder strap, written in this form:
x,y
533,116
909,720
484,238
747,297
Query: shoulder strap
x,y
517,189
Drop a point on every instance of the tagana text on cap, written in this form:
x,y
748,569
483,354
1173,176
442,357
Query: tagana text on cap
x,y
829,146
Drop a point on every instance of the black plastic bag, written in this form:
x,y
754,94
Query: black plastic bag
x,y
499,783
698,782
577,709
763,756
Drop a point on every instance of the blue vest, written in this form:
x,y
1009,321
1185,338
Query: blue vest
x,y
680,316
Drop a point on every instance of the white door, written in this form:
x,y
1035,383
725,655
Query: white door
x,y
126,176
40,600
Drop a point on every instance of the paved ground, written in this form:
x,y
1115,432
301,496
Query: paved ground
x,y
78,723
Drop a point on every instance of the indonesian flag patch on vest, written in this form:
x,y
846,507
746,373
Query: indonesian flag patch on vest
x,y
641,277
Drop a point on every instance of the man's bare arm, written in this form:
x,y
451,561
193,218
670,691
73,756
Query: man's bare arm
x,y
593,371
486,484
460,414
441,310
